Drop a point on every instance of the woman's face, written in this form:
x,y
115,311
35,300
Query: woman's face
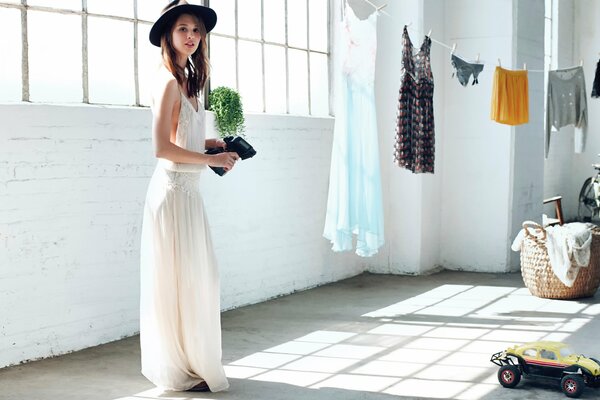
x,y
186,35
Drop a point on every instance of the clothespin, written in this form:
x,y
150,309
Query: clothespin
x,y
429,34
477,59
525,66
453,48
499,63
581,63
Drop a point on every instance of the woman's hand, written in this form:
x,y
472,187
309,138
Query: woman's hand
x,y
220,143
212,143
225,160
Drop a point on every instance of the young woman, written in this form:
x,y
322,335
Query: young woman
x,y
180,327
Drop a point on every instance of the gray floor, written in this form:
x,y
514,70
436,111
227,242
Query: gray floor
x,y
372,337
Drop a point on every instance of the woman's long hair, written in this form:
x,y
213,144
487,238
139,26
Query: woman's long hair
x,y
197,68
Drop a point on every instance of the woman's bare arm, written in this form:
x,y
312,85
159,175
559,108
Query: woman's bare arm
x,y
166,98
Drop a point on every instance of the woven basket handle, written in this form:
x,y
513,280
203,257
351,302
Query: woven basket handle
x,y
537,227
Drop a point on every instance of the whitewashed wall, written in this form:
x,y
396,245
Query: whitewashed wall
x,y
527,153
73,179
476,168
577,36
489,177
587,48
72,186
559,166
411,201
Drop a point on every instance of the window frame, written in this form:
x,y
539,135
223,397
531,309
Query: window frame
x,y
84,14
24,8
237,38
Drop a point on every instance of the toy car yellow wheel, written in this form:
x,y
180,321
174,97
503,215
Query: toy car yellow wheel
x,y
509,376
572,385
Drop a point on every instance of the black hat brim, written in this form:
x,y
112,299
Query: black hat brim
x,y
207,15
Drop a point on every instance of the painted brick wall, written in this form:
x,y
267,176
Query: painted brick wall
x,y
72,187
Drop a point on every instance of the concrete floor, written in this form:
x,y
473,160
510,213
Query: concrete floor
x,y
372,337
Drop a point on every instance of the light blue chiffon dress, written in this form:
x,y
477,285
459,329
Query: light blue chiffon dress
x,y
354,204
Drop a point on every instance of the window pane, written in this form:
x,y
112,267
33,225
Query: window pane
x,y
149,10
54,57
110,55
275,79
122,8
275,21
148,61
318,25
298,81
319,88
10,49
222,61
249,19
297,23
67,4
225,10
250,70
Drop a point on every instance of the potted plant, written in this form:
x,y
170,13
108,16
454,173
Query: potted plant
x,y
226,103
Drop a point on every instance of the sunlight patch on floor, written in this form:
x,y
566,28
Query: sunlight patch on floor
x,y
426,388
357,382
437,344
297,378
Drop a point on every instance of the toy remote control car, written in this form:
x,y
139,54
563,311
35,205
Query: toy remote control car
x,y
547,360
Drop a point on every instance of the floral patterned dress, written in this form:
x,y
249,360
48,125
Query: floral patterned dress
x,y
415,136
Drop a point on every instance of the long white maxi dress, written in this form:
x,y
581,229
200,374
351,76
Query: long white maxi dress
x,y
180,325
354,204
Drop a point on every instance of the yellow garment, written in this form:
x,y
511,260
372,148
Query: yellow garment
x,y
510,97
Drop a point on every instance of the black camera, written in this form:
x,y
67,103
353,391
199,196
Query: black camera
x,y
234,144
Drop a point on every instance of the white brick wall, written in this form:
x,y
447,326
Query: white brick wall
x,y
73,180
72,186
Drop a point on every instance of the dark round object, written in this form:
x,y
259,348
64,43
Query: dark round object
x,y
509,376
572,385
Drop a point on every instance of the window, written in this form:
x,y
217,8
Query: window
x,y
97,51
566,351
278,63
547,354
72,51
530,353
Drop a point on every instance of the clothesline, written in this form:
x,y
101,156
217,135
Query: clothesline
x,y
452,48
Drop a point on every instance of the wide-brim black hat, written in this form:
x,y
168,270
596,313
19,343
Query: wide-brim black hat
x,y
206,14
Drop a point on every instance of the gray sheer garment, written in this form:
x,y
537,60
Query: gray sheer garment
x,y
465,69
566,104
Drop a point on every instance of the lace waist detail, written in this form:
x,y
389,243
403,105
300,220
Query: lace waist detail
x,y
187,182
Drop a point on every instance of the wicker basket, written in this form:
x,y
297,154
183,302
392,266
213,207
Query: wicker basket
x,y
539,276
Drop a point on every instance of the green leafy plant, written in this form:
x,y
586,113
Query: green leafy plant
x,y
226,103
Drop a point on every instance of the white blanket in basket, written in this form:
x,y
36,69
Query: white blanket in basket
x,y
569,249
